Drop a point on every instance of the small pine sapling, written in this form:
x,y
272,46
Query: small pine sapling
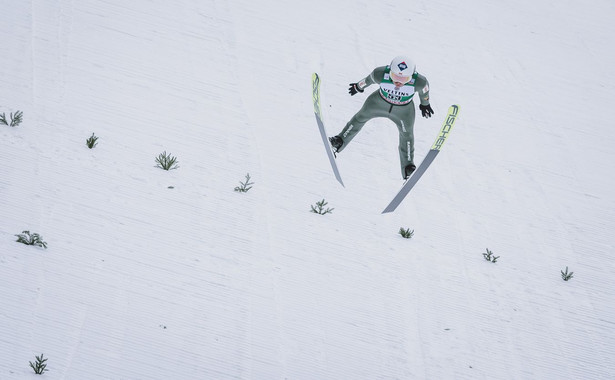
x,y
166,161
567,276
31,239
489,256
244,186
16,118
92,141
39,366
406,233
321,209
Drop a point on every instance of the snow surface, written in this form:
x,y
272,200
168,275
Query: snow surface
x,y
143,281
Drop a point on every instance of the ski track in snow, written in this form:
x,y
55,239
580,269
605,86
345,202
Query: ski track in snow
x,y
173,275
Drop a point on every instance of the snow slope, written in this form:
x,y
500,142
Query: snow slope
x,y
143,281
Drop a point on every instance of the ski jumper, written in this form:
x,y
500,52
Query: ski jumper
x,y
394,103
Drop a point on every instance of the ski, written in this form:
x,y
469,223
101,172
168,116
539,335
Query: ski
x,y
321,126
453,111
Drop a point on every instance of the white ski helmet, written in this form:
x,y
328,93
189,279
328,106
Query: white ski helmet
x,y
402,69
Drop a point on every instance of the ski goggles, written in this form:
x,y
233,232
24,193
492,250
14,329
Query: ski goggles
x,y
400,78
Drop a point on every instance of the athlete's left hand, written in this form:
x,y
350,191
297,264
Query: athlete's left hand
x,y
426,110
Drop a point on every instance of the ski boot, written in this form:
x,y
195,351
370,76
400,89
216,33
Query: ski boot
x,y
336,143
408,170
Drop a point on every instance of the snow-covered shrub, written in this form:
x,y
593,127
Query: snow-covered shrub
x,y
31,239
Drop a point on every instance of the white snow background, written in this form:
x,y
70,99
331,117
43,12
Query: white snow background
x,y
143,281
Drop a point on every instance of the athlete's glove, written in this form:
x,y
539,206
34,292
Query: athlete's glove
x,y
354,88
426,110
